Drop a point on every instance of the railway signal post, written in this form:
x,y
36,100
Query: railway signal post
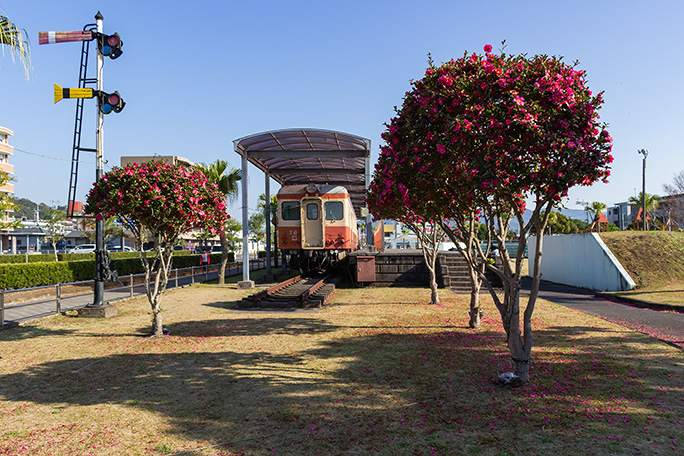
x,y
110,46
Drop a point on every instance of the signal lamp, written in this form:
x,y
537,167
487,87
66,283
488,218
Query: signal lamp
x,y
110,45
111,102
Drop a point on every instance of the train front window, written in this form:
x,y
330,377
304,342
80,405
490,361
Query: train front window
x,y
312,211
290,210
334,210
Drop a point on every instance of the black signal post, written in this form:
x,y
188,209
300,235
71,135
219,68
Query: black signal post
x,y
108,46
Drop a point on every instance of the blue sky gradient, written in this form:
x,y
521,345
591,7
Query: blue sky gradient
x,y
196,76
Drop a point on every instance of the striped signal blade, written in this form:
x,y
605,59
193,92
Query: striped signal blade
x,y
63,37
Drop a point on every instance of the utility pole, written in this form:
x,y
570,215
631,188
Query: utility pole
x,y
644,221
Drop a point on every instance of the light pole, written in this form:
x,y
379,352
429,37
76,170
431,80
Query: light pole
x,y
644,222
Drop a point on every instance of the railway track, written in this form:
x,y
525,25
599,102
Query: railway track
x,y
297,292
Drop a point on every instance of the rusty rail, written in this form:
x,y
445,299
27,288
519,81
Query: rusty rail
x,y
304,296
275,288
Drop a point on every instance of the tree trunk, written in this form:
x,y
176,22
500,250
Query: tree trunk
x,y
475,284
519,343
157,327
156,289
434,293
430,257
224,259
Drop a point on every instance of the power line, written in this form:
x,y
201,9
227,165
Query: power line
x,y
51,158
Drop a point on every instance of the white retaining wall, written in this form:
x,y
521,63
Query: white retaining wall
x,y
580,260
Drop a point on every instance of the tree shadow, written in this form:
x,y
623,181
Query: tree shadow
x,y
405,392
18,332
250,327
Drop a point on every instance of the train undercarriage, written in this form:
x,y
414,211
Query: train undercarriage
x,y
314,260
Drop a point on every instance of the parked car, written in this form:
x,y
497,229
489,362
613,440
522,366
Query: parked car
x,y
117,248
83,248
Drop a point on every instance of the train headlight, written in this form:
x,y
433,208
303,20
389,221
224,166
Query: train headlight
x,y
311,188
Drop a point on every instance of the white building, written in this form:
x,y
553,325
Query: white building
x,y
5,151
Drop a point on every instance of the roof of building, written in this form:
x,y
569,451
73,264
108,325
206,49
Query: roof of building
x,y
304,156
30,231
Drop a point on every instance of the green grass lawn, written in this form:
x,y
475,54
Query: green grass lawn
x,y
380,371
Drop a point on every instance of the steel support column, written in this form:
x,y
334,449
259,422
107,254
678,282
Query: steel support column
x,y
245,219
267,211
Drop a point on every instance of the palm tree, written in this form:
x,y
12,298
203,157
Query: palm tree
x,y
652,202
16,41
273,208
595,209
227,182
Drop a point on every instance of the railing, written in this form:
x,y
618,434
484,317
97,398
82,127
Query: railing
x,y
127,289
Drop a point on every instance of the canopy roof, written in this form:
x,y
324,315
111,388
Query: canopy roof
x,y
303,156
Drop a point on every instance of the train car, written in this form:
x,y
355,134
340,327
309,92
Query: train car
x,y
316,225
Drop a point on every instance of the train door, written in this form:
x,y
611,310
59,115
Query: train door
x,y
313,235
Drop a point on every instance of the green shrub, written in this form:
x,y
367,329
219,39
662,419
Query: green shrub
x,y
82,267
13,259
35,274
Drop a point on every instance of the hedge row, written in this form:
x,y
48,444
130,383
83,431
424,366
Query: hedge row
x,y
26,275
50,258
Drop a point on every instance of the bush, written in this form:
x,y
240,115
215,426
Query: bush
x,y
82,267
35,274
21,258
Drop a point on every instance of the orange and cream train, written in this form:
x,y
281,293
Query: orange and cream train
x,y
316,224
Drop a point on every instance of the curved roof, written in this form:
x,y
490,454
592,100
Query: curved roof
x,y
303,156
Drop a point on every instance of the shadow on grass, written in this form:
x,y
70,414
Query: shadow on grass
x,y
17,332
411,392
250,327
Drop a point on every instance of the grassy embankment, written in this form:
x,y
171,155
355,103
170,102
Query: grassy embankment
x,y
654,260
379,372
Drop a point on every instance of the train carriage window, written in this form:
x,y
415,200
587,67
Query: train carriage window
x,y
290,210
334,210
312,211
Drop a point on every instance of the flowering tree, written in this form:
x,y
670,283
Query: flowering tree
x,y
477,137
161,201
388,200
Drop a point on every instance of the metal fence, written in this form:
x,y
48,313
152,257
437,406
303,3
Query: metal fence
x,y
66,296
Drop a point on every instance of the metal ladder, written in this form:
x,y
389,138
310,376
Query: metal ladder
x,y
83,80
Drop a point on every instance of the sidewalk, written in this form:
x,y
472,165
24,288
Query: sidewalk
x,y
666,326
15,315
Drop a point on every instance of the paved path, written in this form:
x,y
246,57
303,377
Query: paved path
x,y
25,313
667,326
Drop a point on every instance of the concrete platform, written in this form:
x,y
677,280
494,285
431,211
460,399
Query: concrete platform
x,y
103,311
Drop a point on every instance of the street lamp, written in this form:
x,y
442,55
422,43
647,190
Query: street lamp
x,y
644,222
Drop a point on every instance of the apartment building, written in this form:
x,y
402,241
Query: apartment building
x,y
8,188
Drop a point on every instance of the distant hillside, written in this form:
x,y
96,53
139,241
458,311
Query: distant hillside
x,y
25,208
653,259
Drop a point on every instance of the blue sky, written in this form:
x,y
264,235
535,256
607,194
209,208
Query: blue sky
x,y
197,75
